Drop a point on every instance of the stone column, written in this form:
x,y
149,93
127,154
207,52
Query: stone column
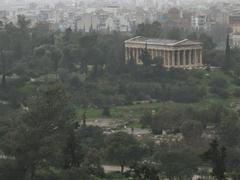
x,y
184,58
169,58
200,57
178,58
140,53
126,55
195,57
165,58
129,53
137,55
154,53
151,53
190,57
158,53
172,58
134,55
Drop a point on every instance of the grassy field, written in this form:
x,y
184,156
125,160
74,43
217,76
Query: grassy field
x,y
137,110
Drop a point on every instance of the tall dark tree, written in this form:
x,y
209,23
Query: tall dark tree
x,y
22,44
145,57
67,35
228,61
3,68
23,24
88,43
72,151
5,56
216,156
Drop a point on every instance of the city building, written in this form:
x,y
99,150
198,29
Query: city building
x,y
235,40
178,54
199,21
234,21
125,16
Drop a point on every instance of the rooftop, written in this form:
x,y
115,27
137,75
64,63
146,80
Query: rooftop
x,y
164,42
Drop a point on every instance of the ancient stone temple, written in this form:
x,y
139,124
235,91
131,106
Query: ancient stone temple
x,y
177,54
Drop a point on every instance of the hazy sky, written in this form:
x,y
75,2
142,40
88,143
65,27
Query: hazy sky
x,y
89,0
118,1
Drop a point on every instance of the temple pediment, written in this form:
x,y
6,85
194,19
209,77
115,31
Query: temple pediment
x,y
186,42
162,42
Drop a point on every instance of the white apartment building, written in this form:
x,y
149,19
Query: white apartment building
x,y
235,40
199,21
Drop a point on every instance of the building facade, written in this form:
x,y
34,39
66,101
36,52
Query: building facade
x,y
234,21
198,22
235,40
177,54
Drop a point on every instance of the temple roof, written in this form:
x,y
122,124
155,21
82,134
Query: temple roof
x,y
163,42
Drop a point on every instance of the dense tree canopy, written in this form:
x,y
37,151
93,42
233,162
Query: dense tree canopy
x,y
52,81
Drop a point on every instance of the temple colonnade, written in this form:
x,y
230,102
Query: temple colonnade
x,y
182,57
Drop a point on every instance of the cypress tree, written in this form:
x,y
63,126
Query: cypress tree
x,y
228,62
145,57
217,156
